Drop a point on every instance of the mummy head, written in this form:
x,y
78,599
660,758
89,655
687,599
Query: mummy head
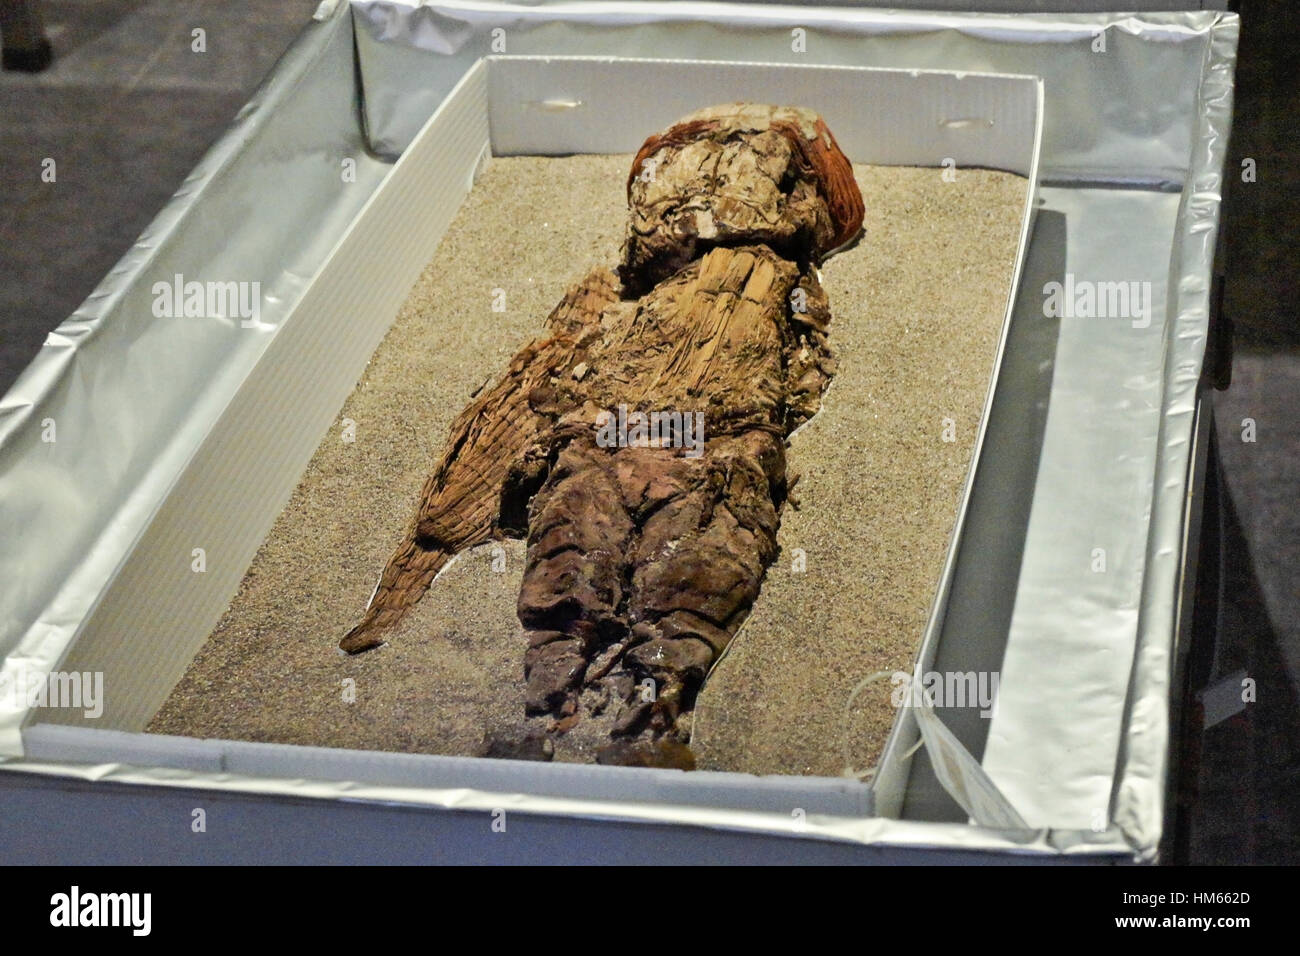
x,y
733,175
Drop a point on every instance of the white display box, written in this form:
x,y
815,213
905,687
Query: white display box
x,y
154,614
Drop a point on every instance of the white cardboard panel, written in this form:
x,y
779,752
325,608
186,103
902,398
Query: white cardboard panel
x,y
777,794
157,612
558,105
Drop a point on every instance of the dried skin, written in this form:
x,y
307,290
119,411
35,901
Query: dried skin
x,y
643,561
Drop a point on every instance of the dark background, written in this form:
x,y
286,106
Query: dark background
x,y
127,112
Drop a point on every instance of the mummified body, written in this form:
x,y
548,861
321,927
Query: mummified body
x,y
644,556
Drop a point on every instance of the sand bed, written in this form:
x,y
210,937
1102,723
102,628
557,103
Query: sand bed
x,y
917,307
